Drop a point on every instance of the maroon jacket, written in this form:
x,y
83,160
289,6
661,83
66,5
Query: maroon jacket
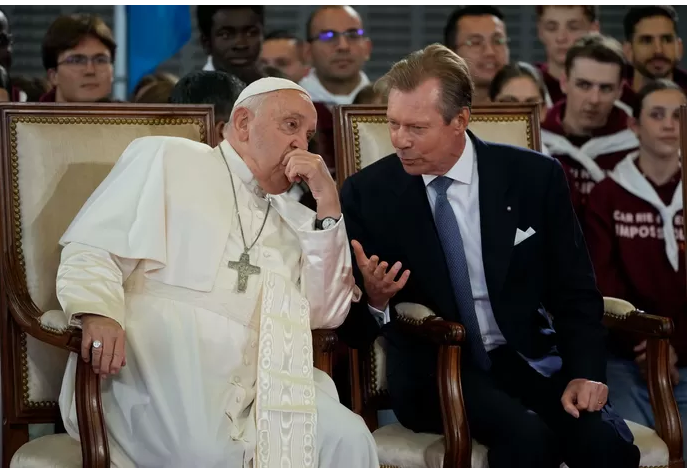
x,y
626,241
552,85
586,159
629,96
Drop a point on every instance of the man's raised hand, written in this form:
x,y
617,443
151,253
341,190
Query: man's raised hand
x,y
380,283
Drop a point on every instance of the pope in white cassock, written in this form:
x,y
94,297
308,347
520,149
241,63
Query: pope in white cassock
x,y
197,281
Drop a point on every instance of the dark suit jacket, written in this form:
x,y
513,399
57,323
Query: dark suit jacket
x,y
388,211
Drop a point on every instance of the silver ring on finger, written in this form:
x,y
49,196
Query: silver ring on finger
x,y
97,344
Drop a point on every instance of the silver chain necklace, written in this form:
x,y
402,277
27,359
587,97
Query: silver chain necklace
x,y
243,266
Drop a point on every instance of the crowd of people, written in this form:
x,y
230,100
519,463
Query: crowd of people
x,y
609,118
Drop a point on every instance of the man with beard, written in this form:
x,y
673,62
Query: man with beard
x,y
586,131
478,34
232,37
337,48
653,47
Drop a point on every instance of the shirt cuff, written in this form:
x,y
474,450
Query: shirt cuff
x,y
382,316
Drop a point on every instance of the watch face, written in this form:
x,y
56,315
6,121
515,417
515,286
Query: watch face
x,y
328,223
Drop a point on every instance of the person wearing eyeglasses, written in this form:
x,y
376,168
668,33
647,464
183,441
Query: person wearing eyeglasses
x,y
478,34
78,54
337,47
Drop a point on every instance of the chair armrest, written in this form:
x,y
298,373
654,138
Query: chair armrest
x,y
422,322
662,397
324,342
622,317
95,450
51,327
646,325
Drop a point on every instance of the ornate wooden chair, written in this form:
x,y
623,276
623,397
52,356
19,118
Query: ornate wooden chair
x,y
51,159
362,137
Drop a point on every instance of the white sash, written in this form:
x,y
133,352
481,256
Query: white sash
x,y
286,414
628,177
587,153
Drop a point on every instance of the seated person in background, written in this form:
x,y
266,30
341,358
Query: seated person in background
x,y
286,52
478,34
447,208
31,88
337,48
558,27
635,233
209,87
653,47
586,131
274,72
368,95
78,53
4,85
155,93
519,82
149,80
232,36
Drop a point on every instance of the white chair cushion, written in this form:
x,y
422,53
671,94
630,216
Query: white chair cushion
x,y
51,451
403,448
653,449
615,306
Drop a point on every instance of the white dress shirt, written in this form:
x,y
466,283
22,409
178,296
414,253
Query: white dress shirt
x,y
463,195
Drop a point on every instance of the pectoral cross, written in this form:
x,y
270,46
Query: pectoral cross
x,y
244,269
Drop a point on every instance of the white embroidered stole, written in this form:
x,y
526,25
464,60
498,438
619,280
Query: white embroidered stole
x,y
628,177
286,414
587,153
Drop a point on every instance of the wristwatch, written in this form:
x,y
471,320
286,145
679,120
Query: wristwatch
x,y
326,223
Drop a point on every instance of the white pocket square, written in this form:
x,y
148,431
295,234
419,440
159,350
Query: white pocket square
x,y
522,235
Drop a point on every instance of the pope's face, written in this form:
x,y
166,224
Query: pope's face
x,y
286,120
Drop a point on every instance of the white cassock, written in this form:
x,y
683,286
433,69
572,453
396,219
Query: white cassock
x,y
214,377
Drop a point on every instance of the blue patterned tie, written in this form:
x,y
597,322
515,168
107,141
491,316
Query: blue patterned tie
x,y
452,242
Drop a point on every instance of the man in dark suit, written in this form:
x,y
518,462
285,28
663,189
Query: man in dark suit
x,y
488,238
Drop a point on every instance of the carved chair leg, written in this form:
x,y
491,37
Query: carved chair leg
x,y
456,431
94,448
13,437
666,412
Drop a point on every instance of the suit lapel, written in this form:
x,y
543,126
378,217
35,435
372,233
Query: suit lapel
x,y
422,245
498,208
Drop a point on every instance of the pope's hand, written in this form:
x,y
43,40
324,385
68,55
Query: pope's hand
x,y
311,168
110,357
380,284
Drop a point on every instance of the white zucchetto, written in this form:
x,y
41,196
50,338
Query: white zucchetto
x,y
267,85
